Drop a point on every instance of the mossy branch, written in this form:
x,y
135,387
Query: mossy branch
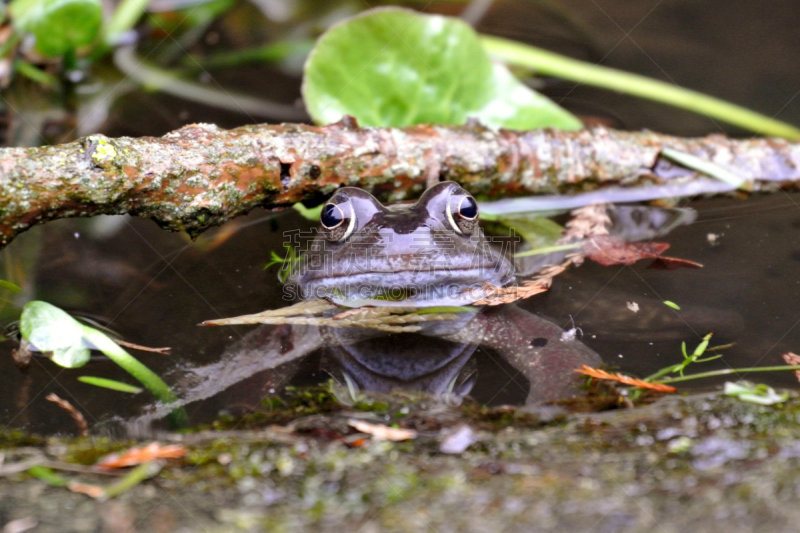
x,y
200,175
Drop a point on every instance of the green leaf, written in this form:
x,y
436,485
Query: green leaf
x,y
396,67
48,476
9,286
53,332
109,384
67,342
309,213
760,394
60,26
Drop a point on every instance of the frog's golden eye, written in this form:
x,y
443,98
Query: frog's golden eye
x,y
337,221
462,213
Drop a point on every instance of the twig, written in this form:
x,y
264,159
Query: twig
x,y
165,350
83,427
200,175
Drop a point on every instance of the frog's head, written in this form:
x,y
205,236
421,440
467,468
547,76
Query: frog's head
x,y
429,253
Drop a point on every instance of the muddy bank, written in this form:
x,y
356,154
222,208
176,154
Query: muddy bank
x,y
704,462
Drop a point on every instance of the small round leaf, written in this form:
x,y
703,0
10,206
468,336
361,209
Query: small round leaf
x,y
59,26
396,67
55,333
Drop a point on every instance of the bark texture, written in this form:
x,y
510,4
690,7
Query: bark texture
x,y
200,175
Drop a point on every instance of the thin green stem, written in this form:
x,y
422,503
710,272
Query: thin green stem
x,y
141,473
131,365
125,17
10,44
728,371
33,73
550,64
155,78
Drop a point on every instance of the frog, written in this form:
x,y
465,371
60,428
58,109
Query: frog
x,y
429,253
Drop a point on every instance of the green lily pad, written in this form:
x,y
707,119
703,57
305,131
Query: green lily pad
x,y
59,26
396,67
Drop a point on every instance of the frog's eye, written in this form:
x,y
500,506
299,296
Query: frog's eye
x,y
331,217
337,221
462,213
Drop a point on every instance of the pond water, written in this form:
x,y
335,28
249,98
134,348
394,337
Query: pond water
x,y
153,287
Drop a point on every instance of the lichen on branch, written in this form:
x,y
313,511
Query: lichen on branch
x,y
200,175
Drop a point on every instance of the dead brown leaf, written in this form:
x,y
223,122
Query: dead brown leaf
x,y
136,456
792,359
626,380
83,488
381,432
611,250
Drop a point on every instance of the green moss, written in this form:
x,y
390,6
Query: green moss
x,y
13,438
526,471
87,451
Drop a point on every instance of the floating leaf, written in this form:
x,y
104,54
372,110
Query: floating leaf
x,y
396,67
52,331
55,333
59,26
612,250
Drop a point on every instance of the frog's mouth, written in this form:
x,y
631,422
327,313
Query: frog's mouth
x,y
413,288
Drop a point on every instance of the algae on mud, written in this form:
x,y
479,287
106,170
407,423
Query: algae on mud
x,y
682,463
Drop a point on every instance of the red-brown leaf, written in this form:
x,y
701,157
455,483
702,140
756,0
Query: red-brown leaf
x,y
136,456
610,250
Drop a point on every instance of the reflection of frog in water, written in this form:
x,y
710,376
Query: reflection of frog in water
x,y
430,253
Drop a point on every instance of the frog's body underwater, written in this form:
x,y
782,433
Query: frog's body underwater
x,y
429,253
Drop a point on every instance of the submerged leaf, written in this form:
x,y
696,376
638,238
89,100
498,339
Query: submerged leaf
x,y
396,67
